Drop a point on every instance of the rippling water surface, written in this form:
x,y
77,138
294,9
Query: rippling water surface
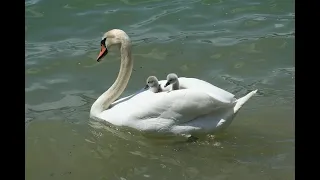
x,y
236,45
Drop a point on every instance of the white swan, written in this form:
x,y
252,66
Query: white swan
x,y
172,79
199,108
153,84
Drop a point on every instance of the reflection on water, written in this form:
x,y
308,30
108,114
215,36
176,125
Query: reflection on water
x,y
236,45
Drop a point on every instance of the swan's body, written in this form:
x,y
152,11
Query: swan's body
x,y
153,84
197,107
172,79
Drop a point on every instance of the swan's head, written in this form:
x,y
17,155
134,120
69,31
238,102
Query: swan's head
x,y
152,82
171,79
114,37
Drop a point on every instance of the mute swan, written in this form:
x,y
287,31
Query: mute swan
x,y
199,108
172,78
153,84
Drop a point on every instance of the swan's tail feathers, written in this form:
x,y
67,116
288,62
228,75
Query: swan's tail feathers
x,y
243,100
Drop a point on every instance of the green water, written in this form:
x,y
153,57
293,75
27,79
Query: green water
x,y
236,45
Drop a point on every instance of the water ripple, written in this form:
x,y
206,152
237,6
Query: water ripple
x,y
31,2
174,2
158,16
50,49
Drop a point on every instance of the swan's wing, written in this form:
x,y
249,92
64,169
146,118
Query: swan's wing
x,y
200,85
172,108
127,97
194,84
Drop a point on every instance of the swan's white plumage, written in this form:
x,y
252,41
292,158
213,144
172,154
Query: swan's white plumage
x,y
203,86
198,107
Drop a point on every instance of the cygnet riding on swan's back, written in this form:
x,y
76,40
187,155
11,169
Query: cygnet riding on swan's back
x,y
153,84
173,80
198,108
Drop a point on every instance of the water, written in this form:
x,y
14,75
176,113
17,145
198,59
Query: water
x,y
236,45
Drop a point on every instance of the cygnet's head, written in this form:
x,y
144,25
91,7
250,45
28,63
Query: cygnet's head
x,y
152,82
172,78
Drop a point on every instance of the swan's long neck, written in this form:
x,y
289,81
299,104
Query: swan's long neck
x,y
104,101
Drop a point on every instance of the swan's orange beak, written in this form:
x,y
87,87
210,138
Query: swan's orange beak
x,y
102,53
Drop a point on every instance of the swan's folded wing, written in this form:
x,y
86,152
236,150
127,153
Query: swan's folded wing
x,y
172,108
120,100
200,85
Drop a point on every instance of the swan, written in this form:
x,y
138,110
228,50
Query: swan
x,y
153,84
172,79
198,108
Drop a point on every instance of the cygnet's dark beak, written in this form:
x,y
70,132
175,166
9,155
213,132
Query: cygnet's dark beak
x,y
146,87
167,84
